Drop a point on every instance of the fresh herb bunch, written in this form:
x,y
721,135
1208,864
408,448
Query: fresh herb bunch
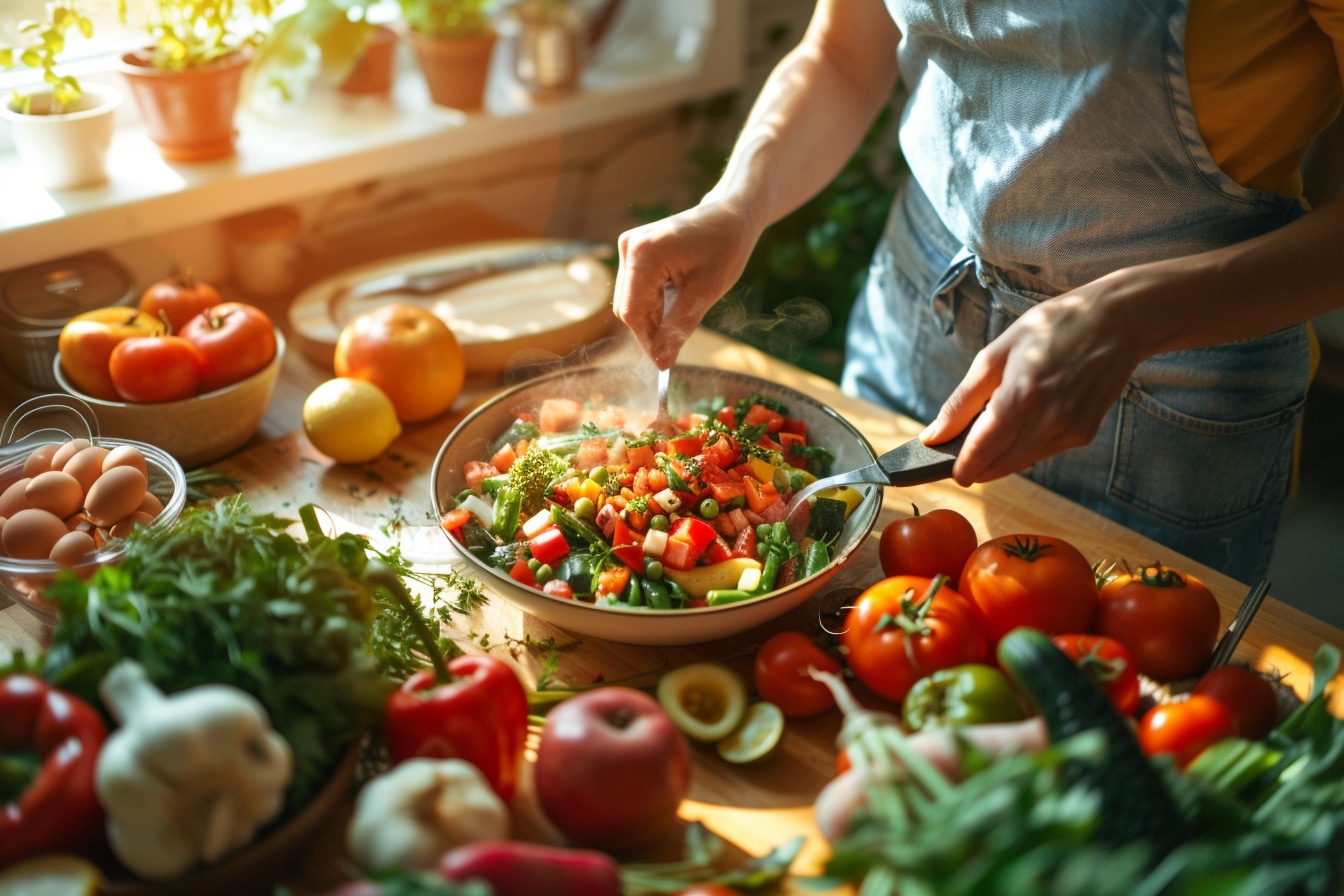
x,y
228,595
1022,824
45,41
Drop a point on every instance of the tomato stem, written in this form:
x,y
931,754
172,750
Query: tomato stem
x,y
1160,576
1027,547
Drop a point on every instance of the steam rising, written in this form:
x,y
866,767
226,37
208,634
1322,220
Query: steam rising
x,y
782,332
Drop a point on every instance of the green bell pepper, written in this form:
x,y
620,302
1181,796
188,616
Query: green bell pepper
x,y
968,694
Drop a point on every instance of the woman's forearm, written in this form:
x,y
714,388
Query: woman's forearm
x,y
812,112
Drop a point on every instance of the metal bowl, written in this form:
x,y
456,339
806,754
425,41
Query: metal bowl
x,y
471,440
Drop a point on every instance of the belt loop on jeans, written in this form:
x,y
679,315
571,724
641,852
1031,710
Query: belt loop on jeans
x,y
943,301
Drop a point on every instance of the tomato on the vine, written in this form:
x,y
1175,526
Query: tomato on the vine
x,y
1169,620
780,674
1038,581
1249,696
1186,728
235,339
1109,665
155,368
927,544
904,627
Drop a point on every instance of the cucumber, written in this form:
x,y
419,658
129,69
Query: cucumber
x,y
1135,801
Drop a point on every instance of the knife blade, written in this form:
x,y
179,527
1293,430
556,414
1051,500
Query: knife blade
x,y
436,281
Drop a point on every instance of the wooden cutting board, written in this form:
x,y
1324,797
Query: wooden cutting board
x,y
550,307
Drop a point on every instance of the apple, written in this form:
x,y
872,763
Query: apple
x,y
409,353
611,769
87,340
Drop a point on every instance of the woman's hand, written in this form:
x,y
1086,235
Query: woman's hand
x,y
1045,384
701,252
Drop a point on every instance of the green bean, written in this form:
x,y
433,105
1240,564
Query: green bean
x,y
657,595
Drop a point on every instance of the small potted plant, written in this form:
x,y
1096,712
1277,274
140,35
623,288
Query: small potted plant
x,y
62,132
453,41
187,83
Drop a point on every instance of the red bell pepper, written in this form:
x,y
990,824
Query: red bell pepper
x,y
687,541
549,545
472,708
57,810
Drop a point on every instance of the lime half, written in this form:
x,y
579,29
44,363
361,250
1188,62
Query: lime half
x,y
50,875
758,735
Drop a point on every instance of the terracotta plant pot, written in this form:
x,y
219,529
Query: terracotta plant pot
x,y
375,67
455,68
67,149
189,113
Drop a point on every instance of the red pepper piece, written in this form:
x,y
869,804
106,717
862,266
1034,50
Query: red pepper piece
x,y
549,545
58,810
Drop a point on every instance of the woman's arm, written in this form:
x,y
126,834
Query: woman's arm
x,y
807,121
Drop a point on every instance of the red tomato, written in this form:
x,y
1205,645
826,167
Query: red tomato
x,y
936,542
1184,729
236,340
87,340
780,674
1167,619
1033,580
155,368
178,299
1249,696
612,768
904,627
1108,664
709,890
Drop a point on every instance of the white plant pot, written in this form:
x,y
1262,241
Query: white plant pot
x,y
68,149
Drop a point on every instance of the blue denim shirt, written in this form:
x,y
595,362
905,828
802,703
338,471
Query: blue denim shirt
x,y
1051,142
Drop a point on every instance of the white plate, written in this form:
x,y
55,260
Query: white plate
x,y
552,306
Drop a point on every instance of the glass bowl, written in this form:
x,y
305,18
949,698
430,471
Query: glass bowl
x,y
23,581
471,440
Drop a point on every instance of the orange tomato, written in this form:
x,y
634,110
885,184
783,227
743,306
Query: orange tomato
x,y
87,340
409,353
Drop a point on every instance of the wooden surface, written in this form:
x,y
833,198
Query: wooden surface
x,y
755,807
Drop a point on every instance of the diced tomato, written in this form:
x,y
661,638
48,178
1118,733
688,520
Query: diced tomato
x,y
788,441
504,458
759,415
639,485
638,457
775,511
760,495
710,471
769,444
742,471
591,453
549,545
722,449
560,415
797,427
657,479
689,445
522,573
727,416
455,519
521,448
625,547
723,524
613,579
698,532
638,520
477,471
745,546
558,588
680,553
724,492
695,603
717,552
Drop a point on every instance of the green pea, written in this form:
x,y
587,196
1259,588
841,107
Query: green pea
x,y
584,508
738,501
543,573
653,570
599,475
533,564
709,508
659,521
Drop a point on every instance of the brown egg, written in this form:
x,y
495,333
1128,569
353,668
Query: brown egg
x,y
124,527
86,466
125,456
55,490
14,498
71,548
39,461
31,534
67,451
151,505
115,495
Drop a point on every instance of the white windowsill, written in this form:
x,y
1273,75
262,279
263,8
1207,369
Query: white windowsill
x,y
678,53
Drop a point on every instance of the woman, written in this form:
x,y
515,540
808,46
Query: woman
x,y
1102,248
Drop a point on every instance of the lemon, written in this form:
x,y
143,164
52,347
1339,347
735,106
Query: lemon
x,y
758,735
50,875
351,421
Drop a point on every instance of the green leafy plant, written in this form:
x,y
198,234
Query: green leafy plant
x,y
191,33
46,41
447,18
335,32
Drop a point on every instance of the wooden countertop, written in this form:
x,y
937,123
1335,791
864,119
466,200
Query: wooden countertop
x,y
754,807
